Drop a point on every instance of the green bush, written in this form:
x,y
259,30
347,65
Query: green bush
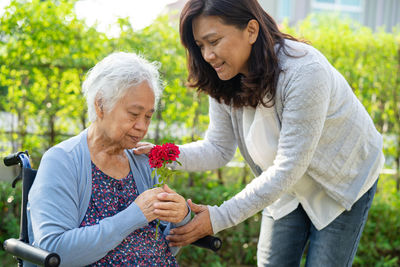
x,y
380,242
10,199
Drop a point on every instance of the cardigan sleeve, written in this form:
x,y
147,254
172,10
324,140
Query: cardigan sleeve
x,y
54,212
218,146
305,105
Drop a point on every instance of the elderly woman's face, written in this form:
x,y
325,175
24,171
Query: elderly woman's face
x,y
127,123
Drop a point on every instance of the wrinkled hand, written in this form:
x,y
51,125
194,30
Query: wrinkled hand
x,y
146,201
172,206
197,228
143,148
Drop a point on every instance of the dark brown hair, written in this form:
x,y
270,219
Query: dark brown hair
x,y
259,86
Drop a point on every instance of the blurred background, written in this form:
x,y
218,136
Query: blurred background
x,y
46,48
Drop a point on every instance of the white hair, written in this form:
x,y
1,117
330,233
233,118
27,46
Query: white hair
x,y
109,80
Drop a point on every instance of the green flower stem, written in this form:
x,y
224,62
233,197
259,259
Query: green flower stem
x,y
165,173
158,224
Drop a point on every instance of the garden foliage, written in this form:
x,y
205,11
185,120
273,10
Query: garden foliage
x,y
45,51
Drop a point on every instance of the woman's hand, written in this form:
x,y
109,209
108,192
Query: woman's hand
x,y
146,201
143,148
197,228
172,206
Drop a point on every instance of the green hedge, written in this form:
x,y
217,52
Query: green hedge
x,y
10,199
380,242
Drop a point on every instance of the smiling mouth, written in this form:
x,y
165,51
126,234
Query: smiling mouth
x,y
218,68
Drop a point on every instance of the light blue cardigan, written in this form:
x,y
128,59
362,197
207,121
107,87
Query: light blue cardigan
x,y
59,198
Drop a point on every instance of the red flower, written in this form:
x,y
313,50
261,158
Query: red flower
x,y
161,155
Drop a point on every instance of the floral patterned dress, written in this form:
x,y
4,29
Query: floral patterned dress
x,y
140,248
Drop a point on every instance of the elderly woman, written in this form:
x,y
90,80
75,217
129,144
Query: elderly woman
x,y
93,200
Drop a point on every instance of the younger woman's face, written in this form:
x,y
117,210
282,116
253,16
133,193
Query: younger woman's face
x,y
225,47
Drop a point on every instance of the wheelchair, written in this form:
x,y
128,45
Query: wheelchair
x,y
22,250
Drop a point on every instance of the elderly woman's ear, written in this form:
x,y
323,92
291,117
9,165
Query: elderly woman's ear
x,y
99,107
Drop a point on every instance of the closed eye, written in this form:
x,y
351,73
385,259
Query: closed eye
x,y
133,114
214,42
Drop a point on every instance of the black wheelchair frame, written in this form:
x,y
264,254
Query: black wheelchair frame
x,y
22,250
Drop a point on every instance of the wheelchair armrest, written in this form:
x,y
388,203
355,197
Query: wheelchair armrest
x,y
30,253
209,242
